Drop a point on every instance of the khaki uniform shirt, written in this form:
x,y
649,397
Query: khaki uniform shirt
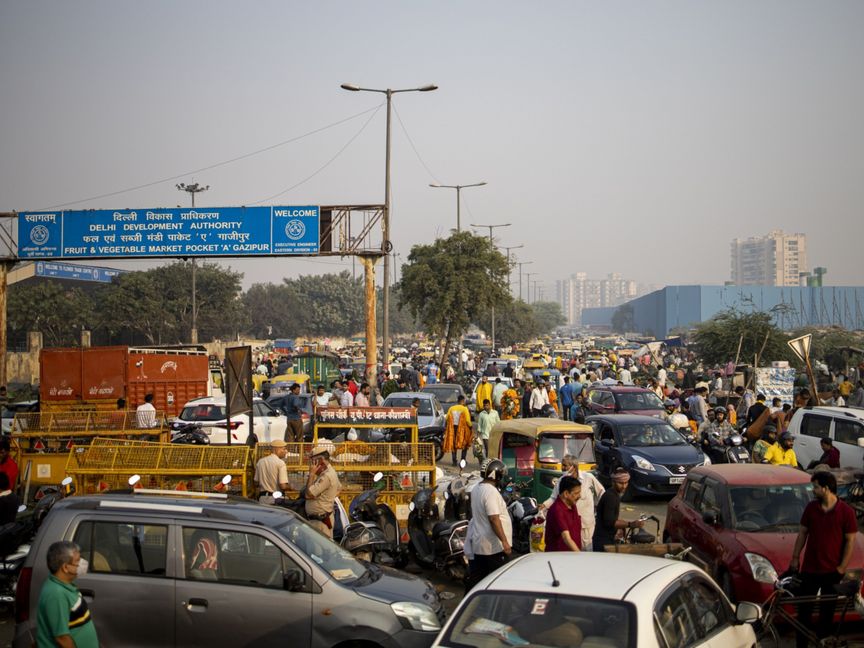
x,y
325,489
270,472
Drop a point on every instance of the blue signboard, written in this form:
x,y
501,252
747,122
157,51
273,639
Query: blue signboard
x,y
175,232
78,272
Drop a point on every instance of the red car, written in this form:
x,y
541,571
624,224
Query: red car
x,y
611,399
742,521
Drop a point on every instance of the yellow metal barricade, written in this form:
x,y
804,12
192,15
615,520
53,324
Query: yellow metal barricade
x,y
407,467
41,440
109,463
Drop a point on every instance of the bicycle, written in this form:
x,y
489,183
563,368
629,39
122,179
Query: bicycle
x,y
774,609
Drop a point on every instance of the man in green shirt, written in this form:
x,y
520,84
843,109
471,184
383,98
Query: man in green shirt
x,y
487,419
64,618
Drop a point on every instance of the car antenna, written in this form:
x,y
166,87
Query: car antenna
x,y
555,581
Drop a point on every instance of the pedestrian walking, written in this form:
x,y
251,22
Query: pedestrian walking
x,y
486,420
827,536
457,429
145,413
563,523
63,618
271,475
490,531
565,398
539,398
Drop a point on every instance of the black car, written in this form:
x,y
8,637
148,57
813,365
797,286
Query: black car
x,y
656,454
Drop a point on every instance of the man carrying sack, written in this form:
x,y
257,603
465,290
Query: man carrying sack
x,y
322,489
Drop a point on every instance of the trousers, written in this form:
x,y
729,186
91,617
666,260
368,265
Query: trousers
x,y
810,585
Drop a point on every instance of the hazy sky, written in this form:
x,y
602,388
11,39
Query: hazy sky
x,y
634,137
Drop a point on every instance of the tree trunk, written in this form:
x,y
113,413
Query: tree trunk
x,y
446,347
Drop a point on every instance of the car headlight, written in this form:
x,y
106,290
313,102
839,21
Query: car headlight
x,y
643,463
416,616
762,569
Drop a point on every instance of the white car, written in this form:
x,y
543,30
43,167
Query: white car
x,y
210,413
599,600
845,425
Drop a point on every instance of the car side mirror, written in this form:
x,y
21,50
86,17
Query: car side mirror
x,y
607,442
710,518
294,580
748,612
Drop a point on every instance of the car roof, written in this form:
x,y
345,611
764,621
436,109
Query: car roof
x,y
624,419
599,575
435,386
620,389
752,474
420,395
239,509
849,412
212,400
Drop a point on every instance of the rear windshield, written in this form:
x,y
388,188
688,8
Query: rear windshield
x,y
638,401
492,619
203,413
651,434
444,394
425,408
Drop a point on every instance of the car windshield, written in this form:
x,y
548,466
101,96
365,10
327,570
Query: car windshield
x,y
553,448
444,394
638,401
650,434
425,408
767,509
203,413
492,619
332,558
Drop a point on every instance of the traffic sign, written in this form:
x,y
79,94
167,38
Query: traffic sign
x,y
170,232
801,346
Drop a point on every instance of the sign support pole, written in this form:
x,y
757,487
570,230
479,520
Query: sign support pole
x,y
4,273
371,323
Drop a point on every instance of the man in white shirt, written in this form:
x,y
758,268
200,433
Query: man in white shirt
x,y
362,399
661,376
625,377
490,531
145,414
497,393
346,399
539,398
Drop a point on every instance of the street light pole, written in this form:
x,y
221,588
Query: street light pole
x,y
492,243
458,189
520,264
386,245
192,189
528,276
512,247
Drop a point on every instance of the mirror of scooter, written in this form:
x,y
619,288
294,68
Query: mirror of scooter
x,y
134,479
22,508
377,477
277,495
226,480
411,506
66,481
462,464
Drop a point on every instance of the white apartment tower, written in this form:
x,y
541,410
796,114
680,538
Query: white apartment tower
x,y
578,292
772,260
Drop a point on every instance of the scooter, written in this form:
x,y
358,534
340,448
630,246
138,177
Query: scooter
x,y
435,544
14,547
373,534
457,496
730,450
522,511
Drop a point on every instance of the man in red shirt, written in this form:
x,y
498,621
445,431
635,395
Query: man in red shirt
x,y
828,526
563,524
7,464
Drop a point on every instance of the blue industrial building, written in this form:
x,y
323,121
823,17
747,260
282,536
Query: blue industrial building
x,y
673,307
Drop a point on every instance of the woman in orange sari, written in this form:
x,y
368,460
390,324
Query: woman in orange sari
x,y
510,402
457,430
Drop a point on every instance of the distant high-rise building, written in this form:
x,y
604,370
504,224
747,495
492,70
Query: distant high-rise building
x,y
773,260
578,292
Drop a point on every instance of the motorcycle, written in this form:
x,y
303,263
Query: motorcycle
x,y
457,496
188,434
433,543
14,547
373,534
730,450
523,511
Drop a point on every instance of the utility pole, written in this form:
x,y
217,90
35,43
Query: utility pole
x,y
492,243
520,264
512,247
193,189
528,276
458,189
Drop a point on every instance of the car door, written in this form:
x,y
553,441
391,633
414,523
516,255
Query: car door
x,y
604,451
691,530
812,428
129,582
231,589
705,536
846,435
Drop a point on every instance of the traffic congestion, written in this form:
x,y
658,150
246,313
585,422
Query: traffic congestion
x,y
480,500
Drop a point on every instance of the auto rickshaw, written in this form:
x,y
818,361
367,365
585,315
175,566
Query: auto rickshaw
x,y
532,450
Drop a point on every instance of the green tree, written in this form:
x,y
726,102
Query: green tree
x,y
548,316
623,319
716,341
515,322
333,304
57,311
448,284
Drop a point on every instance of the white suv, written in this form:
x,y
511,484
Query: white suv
x,y
210,413
844,425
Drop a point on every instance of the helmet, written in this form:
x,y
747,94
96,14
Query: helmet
x,y
669,403
679,421
787,436
720,410
493,469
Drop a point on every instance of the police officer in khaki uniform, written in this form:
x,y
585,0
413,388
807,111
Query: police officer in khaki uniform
x,y
322,488
270,472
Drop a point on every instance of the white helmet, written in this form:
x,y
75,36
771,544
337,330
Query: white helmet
x,y
679,421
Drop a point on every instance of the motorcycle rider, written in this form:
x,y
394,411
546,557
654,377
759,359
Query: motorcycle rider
x,y
768,440
490,531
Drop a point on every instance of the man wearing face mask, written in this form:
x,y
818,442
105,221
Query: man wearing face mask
x,y
64,618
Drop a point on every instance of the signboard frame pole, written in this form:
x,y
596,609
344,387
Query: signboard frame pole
x,y
5,266
371,322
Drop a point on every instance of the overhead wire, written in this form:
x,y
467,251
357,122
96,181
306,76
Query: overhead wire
x,y
413,147
216,165
326,164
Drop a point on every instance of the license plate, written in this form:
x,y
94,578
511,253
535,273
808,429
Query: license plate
x,y
676,480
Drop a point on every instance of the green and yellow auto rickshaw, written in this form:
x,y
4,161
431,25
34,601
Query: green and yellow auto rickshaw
x,y
532,450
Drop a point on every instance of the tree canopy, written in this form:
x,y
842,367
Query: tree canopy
x,y
716,341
